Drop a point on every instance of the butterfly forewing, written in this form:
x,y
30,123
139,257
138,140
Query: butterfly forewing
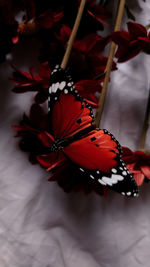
x,y
69,113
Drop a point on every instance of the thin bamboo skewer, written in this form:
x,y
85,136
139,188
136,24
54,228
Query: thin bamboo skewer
x,y
109,64
73,35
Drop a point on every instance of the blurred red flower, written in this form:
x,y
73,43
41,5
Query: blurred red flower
x,y
138,163
28,81
45,20
85,60
131,43
29,129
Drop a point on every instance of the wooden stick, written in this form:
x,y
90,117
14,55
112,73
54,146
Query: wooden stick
x,y
146,125
73,35
109,64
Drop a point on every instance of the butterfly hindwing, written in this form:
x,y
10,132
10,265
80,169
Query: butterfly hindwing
x,y
98,157
118,179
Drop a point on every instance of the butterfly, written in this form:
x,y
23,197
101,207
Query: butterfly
x,y
95,152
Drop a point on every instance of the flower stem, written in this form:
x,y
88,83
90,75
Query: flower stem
x,y
146,125
73,35
109,64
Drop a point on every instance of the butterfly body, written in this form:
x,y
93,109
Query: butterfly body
x,y
95,152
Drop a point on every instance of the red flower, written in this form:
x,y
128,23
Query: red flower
x,y
85,60
138,163
131,43
33,25
29,129
28,81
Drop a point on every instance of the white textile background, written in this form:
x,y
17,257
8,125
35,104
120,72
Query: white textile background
x,y
40,225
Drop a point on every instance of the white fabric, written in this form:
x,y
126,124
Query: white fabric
x,y
40,225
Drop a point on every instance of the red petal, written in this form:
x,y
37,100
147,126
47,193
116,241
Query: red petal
x,y
126,151
136,30
93,104
89,86
144,40
51,161
138,175
124,54
46,138
58,16
64,34
15,39
98,12
24,74
146,171
98,18
44,70
121,37
139,178
18,128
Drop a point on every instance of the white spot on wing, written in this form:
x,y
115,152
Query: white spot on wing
x,y
114,170
101,182
62,85
56,86
107,180
50,89
92,176
53,88
66,91
117,177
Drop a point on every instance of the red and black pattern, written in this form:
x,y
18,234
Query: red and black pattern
x,y
96,153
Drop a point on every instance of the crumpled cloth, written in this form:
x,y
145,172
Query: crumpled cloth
x,y
40,225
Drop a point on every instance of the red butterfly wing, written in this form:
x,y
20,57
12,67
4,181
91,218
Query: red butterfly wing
x,y
97,151
97,156
69,113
